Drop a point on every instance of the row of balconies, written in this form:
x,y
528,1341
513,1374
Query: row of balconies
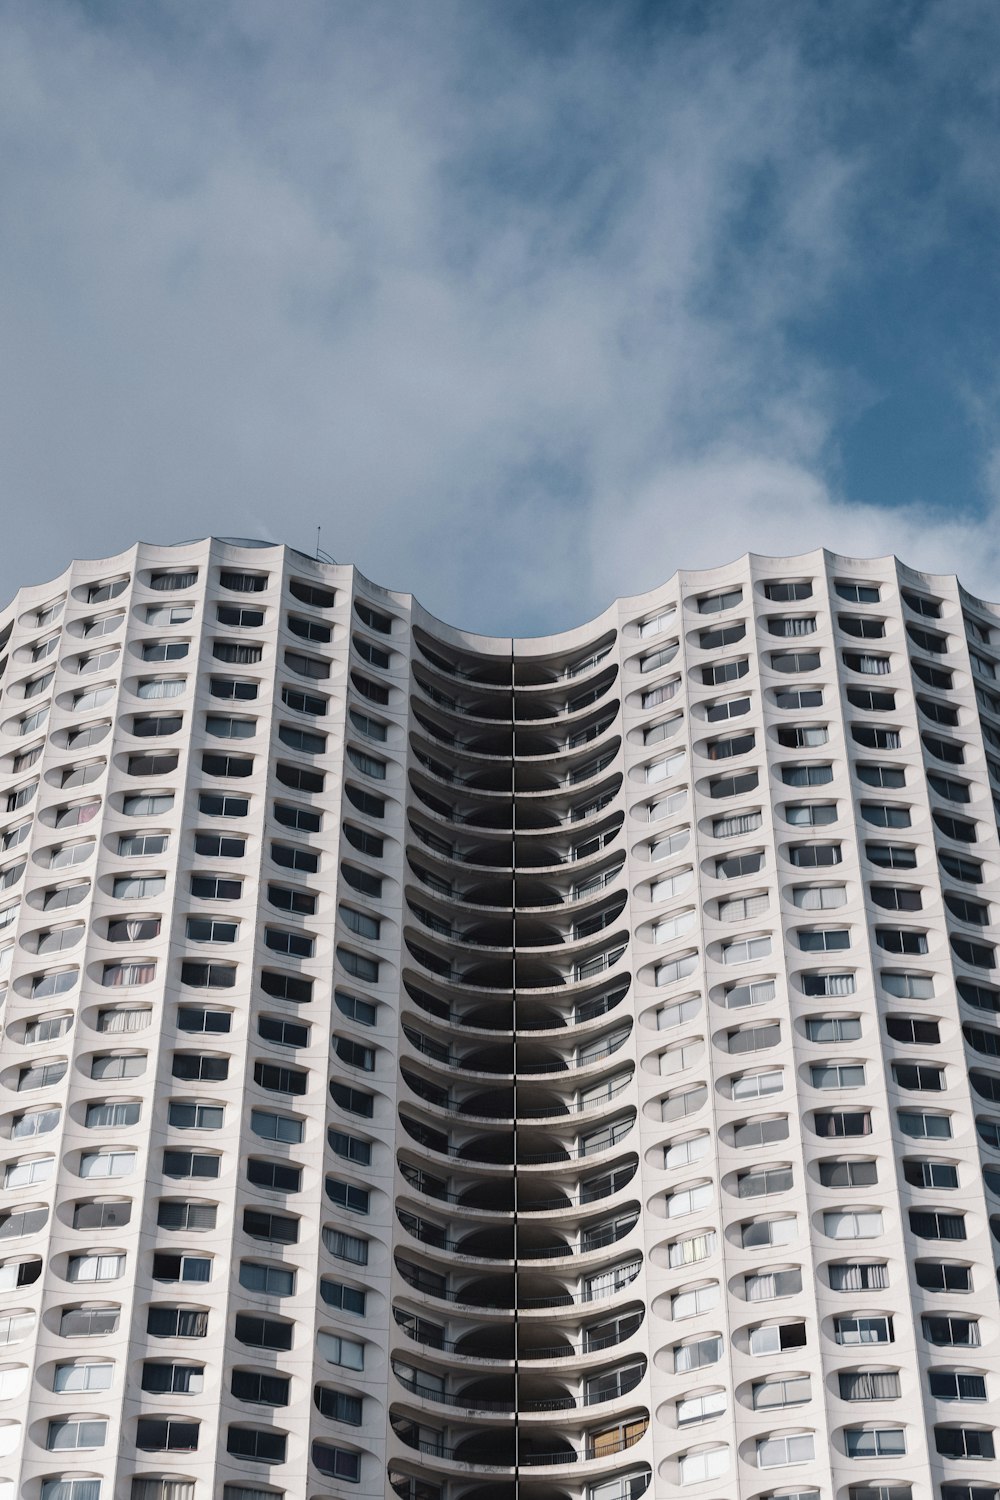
x,y
454,1007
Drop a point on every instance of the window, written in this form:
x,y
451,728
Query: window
x,y
924,1125
760,1132
34,1122
757,1085
94,1267
173,1213
964,1442
83,1375
299,778
873,700
792,1448
858,1276
236,652
138,887
958,829
354,1101
280,1080
243,583
945,1330
106,1163
112,1114
733,786
810,814
189,1164
166,1434
312,594
166,1379
88,1322
795,661
763,1182
956,1385
858,593
710,604
41,1075
192,1066
697,1354
713,676
848,1174
211,930
276,1229
191,1116
771,1338
274,1281
171,1266
75,1433
931,1174
214,764
833,1028
814,856
346,1195
837,1075
283,1033
310,666
274,1127
275,1176
824,940
220,845
296,944
812,775
831,1124
933,1225
925,1076
882,815
356,1010
177,1322
869,663
746,950
874,1442
843,1224
304,703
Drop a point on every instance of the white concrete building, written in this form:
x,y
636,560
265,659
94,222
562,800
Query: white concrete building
x,y
468,1068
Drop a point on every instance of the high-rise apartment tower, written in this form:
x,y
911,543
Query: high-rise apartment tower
x,y
463,1068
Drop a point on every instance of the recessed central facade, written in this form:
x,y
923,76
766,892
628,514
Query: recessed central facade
x,y
464,1068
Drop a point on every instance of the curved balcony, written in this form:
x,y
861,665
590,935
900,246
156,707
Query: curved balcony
x,y
528,1394
529,1194
464,679
500,1448
592,911
502,1244
532,1291
414,1486
512,1207
520,1103
530,969
528,815
457,848
507,1342
552,772
498,1017
502,745
532,1151
569,890
528,1058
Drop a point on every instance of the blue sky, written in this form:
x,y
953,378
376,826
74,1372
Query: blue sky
x,y
527,304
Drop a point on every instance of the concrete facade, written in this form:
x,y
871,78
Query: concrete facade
x,y
465,1068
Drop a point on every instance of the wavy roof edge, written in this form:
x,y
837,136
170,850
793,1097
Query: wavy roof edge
x,y
683,580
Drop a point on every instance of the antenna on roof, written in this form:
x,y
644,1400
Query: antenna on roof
x,y
322,556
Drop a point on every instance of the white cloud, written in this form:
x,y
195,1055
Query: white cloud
x,y
511,316
705,514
